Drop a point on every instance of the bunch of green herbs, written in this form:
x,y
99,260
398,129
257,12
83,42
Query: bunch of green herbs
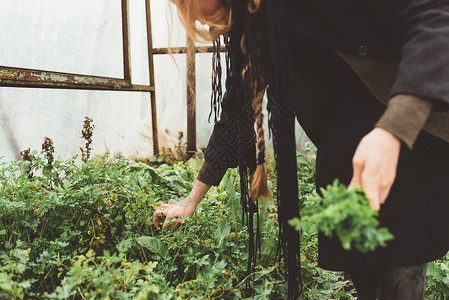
x,y
346,214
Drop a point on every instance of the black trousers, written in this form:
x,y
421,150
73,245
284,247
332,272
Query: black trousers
x,y
405,283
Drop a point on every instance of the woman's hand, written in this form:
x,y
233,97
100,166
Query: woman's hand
x,y
374,164
174,209
185,208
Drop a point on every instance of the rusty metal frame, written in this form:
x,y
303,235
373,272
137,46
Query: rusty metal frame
x,y
184,50
19,77
22,77
152,83
190,50
31,78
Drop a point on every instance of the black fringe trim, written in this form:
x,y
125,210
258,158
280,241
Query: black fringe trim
x,y
217,91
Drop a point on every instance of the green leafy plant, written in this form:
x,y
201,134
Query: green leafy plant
x,y
347,214
438,279
93,221
84,231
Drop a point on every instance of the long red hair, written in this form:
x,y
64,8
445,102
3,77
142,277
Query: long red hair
x,y
190,13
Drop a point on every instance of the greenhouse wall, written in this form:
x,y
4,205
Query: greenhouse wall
x,y
85,37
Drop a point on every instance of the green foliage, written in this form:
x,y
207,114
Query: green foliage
x,y
111,277
85,232
153,244
13,282
346,214
438,279
306,176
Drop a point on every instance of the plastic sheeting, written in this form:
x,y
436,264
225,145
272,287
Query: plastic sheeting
x,y
84,37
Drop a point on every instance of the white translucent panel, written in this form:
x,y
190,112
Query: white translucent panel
x,y
170,82
166,26
122,121
172,98
204,90
138,42
302,139
81,36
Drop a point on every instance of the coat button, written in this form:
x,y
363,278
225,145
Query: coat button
x,y
363,50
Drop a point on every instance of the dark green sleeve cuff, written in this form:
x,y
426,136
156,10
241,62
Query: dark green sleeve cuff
x,y
405,116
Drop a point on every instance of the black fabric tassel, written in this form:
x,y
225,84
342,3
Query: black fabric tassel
x,y
217,92
238,91
281,123
250,216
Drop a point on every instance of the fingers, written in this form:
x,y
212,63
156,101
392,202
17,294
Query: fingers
x,y
166,210
167,220
169,216
363,177
373,193
173,227
172,210
374,165
156,216
159,213
377,190
368,178
375,181
357,166
176,225
384,194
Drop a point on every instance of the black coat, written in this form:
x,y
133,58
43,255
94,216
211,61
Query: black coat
x,y
336,113
418,32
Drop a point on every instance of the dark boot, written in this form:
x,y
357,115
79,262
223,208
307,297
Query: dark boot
x,y
407,283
